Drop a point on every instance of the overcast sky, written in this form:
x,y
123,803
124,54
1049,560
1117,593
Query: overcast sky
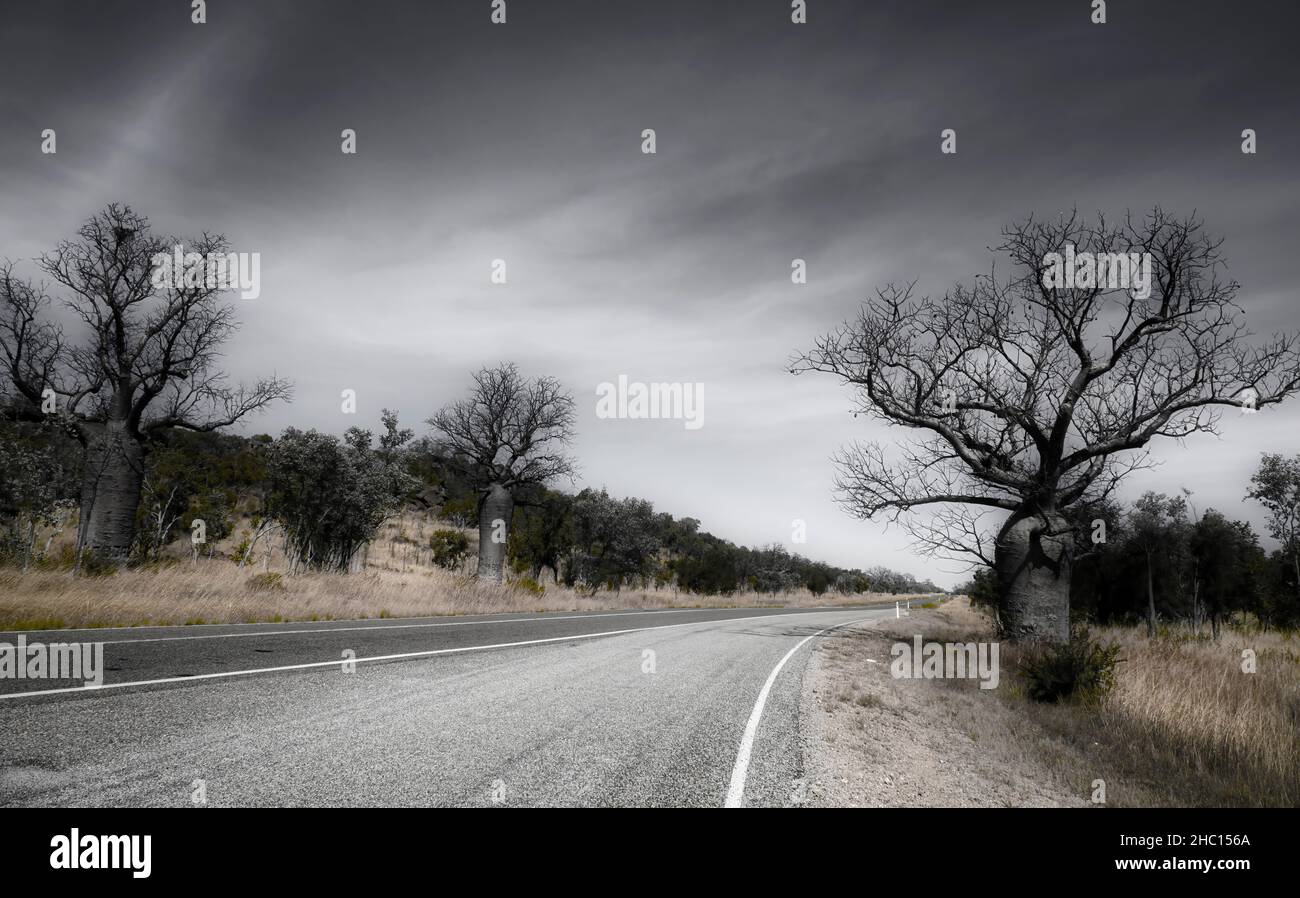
x,y
775,141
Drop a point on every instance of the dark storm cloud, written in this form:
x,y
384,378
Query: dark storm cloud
x,y
522,142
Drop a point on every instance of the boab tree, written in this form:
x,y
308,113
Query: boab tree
x,y
508,433
1034,395
145,359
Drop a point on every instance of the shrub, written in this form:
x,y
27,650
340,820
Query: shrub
x,y
64,558
95,565
982,590
330,495
449,548
269,582
154,565
1078,669
528,584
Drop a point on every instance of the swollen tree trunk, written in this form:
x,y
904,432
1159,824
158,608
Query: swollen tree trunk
x,y
494,512
1032,560
110,491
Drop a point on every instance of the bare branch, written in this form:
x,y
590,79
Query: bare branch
x,y
1033,394
510,430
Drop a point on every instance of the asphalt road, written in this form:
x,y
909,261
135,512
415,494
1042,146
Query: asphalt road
x,y
615,708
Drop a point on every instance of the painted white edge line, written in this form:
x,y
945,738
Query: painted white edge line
x,y
740,771
424,654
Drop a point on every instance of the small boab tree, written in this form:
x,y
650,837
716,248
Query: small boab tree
x,y
508,433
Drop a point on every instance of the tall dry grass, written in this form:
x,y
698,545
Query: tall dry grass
x,y
1189,720
1185,725
216,591
397,579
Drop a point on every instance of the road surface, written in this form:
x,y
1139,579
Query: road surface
x,y
676,708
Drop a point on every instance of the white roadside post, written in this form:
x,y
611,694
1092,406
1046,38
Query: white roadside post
x,y
897,613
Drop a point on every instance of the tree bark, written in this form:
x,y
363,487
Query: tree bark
x,y
1032,558
30,548
496,505
1198,613
1151,601
110,491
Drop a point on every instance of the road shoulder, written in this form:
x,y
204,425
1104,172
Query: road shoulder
x,y
874,741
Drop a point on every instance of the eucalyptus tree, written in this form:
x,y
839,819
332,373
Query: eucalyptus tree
x,y
330,495
1276,486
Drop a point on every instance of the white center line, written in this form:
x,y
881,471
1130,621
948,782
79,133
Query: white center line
x,y
373,626
739,772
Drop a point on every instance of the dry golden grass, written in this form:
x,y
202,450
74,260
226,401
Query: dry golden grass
x,y
1188,720
217,591
1184,725
398,579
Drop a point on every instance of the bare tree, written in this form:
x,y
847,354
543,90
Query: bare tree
x,y
147,360
1032,396
508,433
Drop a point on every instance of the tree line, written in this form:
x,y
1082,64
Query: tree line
x,y
323,498
122,418
1161,560
1030,400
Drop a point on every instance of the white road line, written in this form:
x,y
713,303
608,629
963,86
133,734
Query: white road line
x,y
424,654
739,772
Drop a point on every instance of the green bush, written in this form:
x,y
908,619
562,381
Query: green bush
x,y
1078,669
62,559
528,584
154,565
269,582
95,565
449,548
